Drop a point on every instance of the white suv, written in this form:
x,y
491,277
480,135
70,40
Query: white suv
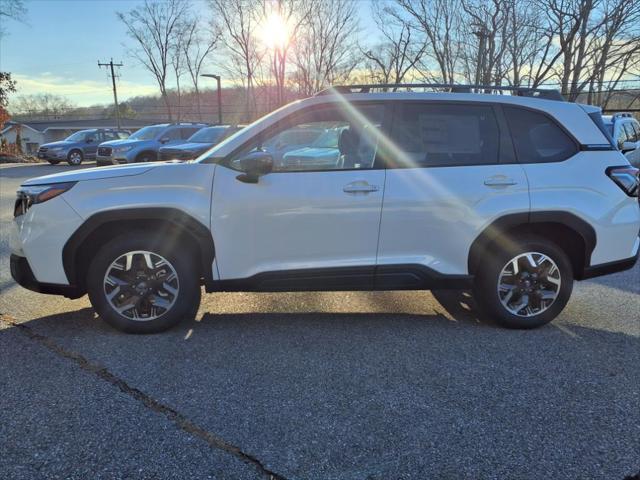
x,y
513,196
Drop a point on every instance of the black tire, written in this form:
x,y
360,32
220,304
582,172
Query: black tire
x,y
54,162
146,157
186,301
75,157
487,277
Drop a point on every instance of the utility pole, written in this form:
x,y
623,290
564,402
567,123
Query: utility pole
x,y
113,81
217,77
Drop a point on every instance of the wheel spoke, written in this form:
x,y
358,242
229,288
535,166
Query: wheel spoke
x,y
151,287
529,284
531,260
524,301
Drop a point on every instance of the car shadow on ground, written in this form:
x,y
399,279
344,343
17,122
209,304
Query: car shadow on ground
x,y
318,395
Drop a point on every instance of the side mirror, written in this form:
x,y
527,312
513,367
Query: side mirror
x,y
254,165
165,140
627,147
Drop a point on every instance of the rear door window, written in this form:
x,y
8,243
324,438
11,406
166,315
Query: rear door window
x,y
537,138
186,132
441,135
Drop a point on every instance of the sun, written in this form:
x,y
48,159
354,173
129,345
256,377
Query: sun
x,y
275,31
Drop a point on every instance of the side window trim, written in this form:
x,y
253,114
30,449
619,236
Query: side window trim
x,y
377,164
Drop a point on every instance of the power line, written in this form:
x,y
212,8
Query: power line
x,y
113,81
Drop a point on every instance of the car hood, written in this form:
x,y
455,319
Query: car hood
x,y
194,146
61,143
120,143
95,173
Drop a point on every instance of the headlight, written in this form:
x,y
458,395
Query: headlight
x,y
32,194
122,149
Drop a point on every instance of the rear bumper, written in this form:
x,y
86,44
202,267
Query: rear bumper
x,y
23,275
611,267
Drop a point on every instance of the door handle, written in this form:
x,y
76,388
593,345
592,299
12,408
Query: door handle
x,y
360,187
500,181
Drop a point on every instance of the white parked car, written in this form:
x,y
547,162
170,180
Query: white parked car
x,y
625,131
514,196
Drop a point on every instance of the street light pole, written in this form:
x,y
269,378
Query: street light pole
x,y
217,77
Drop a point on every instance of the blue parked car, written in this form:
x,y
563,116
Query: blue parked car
x,y
143,145
80,146
198,143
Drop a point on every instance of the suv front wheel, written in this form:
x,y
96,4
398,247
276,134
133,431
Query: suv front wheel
x,y
138,284
524,283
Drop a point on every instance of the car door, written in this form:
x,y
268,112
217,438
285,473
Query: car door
x,y
304,225
451,172
92,140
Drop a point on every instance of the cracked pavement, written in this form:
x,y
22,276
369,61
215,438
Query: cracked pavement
x,y
350,385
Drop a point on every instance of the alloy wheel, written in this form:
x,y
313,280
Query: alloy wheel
x,y
141,285
529,284
75,158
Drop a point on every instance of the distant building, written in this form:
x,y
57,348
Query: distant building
x,y
35,133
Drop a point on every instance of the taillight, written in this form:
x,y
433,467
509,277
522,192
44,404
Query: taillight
x,y
627,178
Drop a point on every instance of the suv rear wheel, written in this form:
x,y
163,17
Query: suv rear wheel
x,y
75,157
526,284
139,285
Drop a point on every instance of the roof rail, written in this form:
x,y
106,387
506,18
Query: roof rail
x,y
187,123
548,94
622,115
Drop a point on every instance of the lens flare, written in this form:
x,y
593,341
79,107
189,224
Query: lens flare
x,y
274,31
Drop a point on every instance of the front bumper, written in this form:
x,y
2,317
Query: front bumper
x,y
110,160
59,155
23,275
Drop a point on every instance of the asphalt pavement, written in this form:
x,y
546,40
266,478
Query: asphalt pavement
x,y
356,385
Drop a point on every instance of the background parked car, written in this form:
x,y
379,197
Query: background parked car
x,y
198,143
80,146
322,153
625,131
143,145
291,139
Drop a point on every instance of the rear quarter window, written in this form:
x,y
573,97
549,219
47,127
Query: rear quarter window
x,y
537,138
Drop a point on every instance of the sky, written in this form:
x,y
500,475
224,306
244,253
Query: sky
x,y
58,48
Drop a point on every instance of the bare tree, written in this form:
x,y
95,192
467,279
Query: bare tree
x,y
293,16
440,21
401,49
237,21
11,10
323,53
154,26
41,105
197,47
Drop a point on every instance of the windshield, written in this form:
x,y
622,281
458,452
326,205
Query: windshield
x,y
79,136
208,135
147,133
